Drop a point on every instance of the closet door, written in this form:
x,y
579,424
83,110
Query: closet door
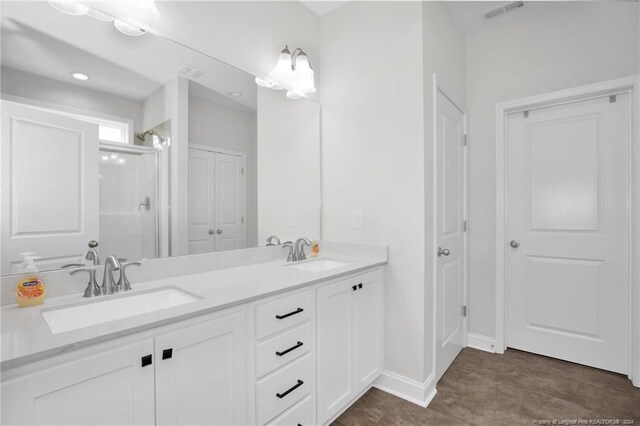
x,y
201,201
49,186
229,202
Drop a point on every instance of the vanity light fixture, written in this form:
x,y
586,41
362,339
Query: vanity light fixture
x,y
80,76
139,14
292,72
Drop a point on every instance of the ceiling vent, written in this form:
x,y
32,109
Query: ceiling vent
x,y
502,9
189,72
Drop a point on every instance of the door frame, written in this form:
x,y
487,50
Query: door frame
x,y
434,225
243,183
628,85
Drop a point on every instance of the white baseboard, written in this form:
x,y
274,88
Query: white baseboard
x,y
407,389
484,343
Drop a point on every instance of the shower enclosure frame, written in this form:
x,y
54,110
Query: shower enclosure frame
x,y
157,154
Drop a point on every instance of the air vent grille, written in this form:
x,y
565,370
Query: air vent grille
x,y
502,9
190,72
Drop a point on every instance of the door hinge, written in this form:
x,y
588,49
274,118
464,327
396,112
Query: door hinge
x,y
243,171
464,311
464,226
612,99
526,114
242,221
465,140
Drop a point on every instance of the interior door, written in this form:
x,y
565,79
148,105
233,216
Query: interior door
x,y
568,226
229,220
49,186
450,229
201,374
201,201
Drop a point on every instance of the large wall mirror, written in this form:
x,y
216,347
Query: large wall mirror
x,y
143,145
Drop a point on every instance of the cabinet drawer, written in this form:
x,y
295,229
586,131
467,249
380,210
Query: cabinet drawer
x,y
280,391
283,348
281,313
300,415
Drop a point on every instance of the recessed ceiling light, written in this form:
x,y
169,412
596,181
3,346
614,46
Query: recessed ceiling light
x,y
234,94
79,76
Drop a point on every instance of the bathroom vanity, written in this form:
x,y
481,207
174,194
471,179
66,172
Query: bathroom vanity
x,y
275,343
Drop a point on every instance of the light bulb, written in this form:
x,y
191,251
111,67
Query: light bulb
x,y
69,7
128,29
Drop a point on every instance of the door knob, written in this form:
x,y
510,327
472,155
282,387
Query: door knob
x,y
218,231
445,252
514,243
210,231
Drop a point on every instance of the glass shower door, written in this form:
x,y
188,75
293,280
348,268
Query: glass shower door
x,y
128,202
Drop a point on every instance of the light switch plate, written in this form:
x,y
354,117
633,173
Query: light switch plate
x,y
358,218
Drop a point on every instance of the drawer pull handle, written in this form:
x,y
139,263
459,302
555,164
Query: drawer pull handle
x,y
286,351
297,311
291,389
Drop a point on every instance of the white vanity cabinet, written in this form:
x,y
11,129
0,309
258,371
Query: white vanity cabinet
x,y
201,373
111,387
192,375
350,340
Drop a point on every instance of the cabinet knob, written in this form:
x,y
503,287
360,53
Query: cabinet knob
x,y
146,360
167,353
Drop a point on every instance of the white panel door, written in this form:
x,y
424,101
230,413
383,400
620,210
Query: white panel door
x,y
110,388
336,378
450,217
49,186
568,226
229,201
368,324
201,374
201,201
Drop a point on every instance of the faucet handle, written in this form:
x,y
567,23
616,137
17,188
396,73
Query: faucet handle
x,y
291,248
123,282
92,286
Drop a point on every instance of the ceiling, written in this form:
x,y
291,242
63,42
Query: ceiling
x,y
41,40
468,14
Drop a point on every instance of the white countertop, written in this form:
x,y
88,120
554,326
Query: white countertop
x,y
26,337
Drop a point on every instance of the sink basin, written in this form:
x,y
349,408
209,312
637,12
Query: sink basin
x,y
320,265
93,313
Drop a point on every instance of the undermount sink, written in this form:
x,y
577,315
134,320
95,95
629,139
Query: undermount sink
x,y
320,265
61,320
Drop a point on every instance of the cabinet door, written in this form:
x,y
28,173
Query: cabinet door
x,y
335,348
369,331
200,373
110,388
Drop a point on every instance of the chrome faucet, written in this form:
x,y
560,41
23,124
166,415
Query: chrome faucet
x,y
271,238
298,249
108,283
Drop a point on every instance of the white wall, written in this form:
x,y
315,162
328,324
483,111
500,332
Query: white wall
x,y
288,167
72,96
372,155
226,127
582,43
